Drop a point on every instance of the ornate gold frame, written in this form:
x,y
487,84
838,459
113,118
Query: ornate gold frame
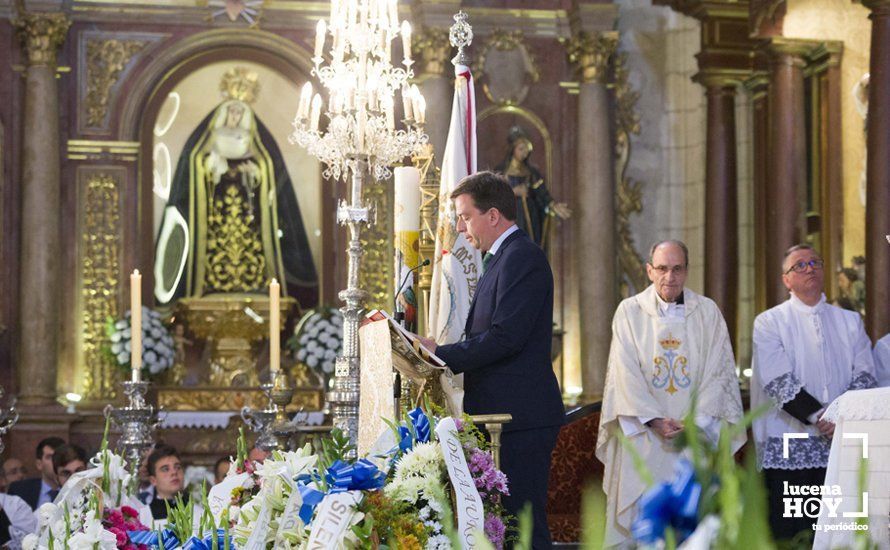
x,y
505,41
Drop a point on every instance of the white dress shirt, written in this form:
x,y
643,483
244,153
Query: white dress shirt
x,y
500,240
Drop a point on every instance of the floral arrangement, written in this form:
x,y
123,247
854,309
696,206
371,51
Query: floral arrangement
x,y
94,509
158,349
318,340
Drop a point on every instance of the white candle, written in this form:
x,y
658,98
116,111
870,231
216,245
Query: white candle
x,y
316,112
372,92
407,104
394,13
320,30
390,118
415,102
406,39
420,109
335,9
274,328
349,97
136,326
407,198
305,98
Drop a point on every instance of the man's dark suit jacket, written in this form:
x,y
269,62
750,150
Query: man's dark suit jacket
x,y
28,490
505,356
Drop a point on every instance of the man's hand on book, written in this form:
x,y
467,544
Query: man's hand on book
x,y
428,343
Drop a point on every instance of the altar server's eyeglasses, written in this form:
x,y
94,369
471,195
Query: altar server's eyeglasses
x,y
801,266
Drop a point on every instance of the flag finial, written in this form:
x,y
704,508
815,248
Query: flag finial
x,y
461,36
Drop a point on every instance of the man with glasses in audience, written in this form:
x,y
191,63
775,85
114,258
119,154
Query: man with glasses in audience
x,y
670,348
806,353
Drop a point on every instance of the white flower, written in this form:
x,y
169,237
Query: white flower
x,y
333,343
150,357
301,355
122,324
148,343
126,333
304,339
312,361
116,337
327,367
123,357
30,542
117,347
93,536
48,513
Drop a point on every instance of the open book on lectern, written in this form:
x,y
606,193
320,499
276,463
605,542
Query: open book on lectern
x,y
409,356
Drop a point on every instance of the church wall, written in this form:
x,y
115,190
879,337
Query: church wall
x,y
848,22
556,108
668,156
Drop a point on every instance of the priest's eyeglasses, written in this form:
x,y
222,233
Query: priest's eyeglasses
x,y
801,266
665,269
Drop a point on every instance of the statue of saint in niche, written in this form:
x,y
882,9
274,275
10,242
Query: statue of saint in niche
x,y
534,205
232,221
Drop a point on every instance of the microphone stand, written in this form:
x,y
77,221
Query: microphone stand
x,y
399,317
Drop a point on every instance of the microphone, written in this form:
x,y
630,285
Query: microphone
x,y
400,315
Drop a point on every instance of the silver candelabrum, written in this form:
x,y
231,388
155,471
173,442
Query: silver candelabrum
x,y
137,421
8,417
272,424
344,398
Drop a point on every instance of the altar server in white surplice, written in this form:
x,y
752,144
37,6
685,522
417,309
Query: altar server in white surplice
x,y
806,353
669,344
882,361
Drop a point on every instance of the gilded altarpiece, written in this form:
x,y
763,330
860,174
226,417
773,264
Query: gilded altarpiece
x,y
99,205
105,60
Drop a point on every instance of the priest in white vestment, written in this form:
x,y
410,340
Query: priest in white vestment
x,y
806,353
669,344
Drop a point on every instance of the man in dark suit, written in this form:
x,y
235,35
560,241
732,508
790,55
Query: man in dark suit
x,y
37,491
505,356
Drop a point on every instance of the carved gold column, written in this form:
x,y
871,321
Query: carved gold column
x,y
594,218
435,79
41,35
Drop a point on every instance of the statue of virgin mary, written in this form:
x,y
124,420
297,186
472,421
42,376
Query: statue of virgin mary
x,y
232,222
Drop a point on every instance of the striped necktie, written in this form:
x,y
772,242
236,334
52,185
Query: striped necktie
x,y
486,259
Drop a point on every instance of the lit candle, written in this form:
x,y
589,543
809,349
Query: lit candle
x,y
406,39
335,9
390,118
320,30
316,112
274,328
305,98
420,109
136,326
415,101
394,13
407,103
381,15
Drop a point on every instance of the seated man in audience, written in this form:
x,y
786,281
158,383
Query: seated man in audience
x,y
166,475
220,469
37,491
670,351
806,353
12,470
67,461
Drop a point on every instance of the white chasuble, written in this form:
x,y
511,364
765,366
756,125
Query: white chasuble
x,y
657,364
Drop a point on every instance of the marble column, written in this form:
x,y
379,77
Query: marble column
x,y
721,194
594,203
435,78
39,317
786,184
877,209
